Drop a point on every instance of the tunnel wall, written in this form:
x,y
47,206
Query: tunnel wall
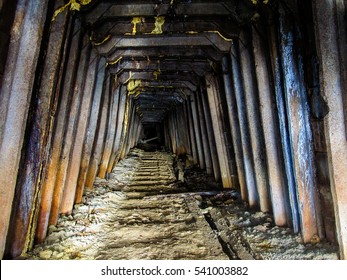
x,y
269,120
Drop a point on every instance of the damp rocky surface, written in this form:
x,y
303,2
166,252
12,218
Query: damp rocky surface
x,y
143,212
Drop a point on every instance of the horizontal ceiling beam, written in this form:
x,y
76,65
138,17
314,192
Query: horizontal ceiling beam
x,y
179,40
106,10
190,77
197,67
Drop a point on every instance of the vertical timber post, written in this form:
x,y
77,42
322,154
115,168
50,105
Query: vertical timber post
x,y
300,130
212,94
16,92
244,128
234,125
210,136
207,151
331,43
81,129
256,132
272,145
193,103
91,131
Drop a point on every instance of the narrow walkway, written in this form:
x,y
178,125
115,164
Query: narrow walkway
x,y
136,214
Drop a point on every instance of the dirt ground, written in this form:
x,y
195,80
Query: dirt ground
x,y
143,212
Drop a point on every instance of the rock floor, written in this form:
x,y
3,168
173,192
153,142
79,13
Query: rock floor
x,y
143,212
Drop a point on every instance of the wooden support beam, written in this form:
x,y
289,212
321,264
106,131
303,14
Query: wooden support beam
x,y
253,197
204,138
253,115
91,131
119,131
16,92
81,130
99,141
199,68
70,131
234,126
25,206
111,131
270,127
219,135
192,133
206,39
196,125
68,74
210,135
331,41
293,208
299,127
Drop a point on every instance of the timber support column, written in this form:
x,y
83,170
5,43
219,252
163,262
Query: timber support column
x,y
234,125
269,124
111,131
193,104
70,131
291,193
204,138
299,126
24,212
77,147
219,135
330,25
256,132
71,58
210,135
91,131
120,126
99,141
15,99
192,133
253,198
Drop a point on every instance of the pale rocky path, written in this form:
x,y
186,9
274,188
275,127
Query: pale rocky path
x,y
137,214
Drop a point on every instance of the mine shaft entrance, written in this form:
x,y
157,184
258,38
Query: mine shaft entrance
x,y
153,135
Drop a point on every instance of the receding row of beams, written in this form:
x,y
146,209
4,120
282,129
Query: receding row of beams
x,y
247,121
263,140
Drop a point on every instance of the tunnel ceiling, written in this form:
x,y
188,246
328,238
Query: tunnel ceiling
x,y
158,49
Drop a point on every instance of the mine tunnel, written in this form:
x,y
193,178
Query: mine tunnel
x,y
242,99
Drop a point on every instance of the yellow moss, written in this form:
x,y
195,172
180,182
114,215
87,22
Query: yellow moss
x,y
103,41
75,5
133,85
135,21
159,22
115,61
255,2
156,74
211,31
220,35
